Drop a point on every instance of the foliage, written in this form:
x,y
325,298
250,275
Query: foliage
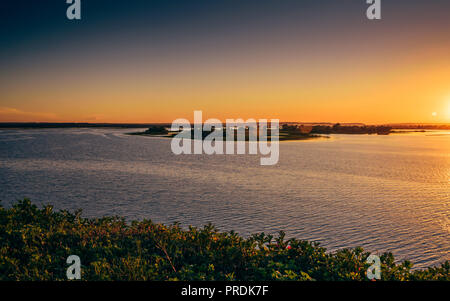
x,y
35,243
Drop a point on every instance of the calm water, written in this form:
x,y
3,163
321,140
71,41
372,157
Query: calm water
x,y
385,193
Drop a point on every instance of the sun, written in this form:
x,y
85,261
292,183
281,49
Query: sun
x,y
448,110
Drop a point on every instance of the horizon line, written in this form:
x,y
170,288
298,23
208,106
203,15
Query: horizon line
x,y
150,123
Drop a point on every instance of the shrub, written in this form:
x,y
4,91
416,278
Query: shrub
x,y
35,243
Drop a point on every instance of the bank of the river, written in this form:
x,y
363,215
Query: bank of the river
x,y
35,243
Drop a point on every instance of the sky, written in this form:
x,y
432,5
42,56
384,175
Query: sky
x,y
159,60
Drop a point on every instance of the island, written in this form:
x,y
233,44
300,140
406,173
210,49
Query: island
x,y
286,131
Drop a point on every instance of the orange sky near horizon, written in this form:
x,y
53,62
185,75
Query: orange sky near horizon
x,y
368,90
394,71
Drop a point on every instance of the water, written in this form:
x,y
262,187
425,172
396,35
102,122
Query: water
x,y
384,193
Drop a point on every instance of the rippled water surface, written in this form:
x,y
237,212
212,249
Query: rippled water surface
x,y
385,193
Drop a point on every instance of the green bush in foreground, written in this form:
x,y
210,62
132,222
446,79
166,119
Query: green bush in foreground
x,y
35,243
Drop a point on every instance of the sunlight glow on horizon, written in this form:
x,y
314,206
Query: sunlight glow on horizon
x,y
260,61
448,110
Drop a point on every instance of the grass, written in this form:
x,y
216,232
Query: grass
x,y
35,243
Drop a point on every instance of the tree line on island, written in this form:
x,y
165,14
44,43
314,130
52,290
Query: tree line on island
x,y
286,131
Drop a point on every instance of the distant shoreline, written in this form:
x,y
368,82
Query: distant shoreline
x,y
40,125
